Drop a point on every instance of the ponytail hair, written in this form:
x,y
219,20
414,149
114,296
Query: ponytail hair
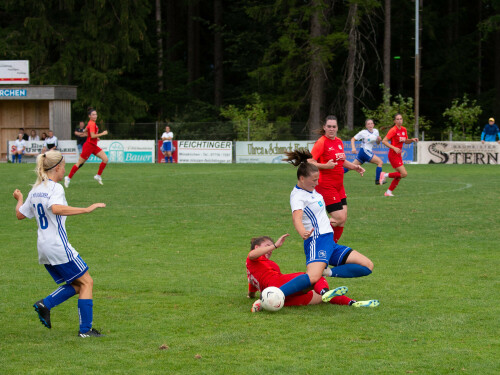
x,y
298,158
46,162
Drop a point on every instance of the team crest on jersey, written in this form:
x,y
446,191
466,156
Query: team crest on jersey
x,y
340,147
322,254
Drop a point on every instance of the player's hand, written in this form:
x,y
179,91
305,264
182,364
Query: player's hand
x,y
330,164
397,150
17,194
105,132
96,205
483,142
354,151
307,234
281,240
251,295
360,170
415,140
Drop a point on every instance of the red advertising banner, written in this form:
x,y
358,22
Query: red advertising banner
x,y
161,157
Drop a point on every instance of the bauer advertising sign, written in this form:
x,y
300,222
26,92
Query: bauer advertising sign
x,y
14,72
204,151
34,148
458,153
123,151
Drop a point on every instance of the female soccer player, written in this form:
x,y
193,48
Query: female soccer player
x,y
20,145
89,148
398,136
328,155
263,272
47,202
368,138
311,222
166,148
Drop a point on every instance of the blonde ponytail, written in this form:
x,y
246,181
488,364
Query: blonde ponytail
x,y
46,162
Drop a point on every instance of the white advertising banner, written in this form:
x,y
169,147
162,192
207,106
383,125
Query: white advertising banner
x,y
267,151
204,151
33,148
458,152
124,151
14,72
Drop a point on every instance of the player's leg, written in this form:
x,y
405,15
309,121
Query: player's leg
x,y
356,161
85,305
338,212
348,263
376,160
84,155
104,161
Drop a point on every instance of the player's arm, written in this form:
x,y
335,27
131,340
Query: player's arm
x,y
93,133
261,250
330,164
299,227
59,209
19,197
386,143
353,145
354,167
411,140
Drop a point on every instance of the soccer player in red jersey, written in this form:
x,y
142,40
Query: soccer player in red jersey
x,y
263,272
398,136
89,148
328,155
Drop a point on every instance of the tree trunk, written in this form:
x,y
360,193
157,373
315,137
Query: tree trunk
x,y
351,61
159,37
218,54
387,51
193,45
317,75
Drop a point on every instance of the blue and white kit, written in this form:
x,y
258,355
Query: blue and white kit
x,y
368,140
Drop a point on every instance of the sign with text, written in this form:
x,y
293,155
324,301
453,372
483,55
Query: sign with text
x,y
458,153
14,72
204,151
33,149
124,151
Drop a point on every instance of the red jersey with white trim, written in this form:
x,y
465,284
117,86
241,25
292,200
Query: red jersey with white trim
x,y
92,127
329,149
397,137
261,271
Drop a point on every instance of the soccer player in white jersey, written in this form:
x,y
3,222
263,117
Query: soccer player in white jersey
x,y
313,225
368,137
46,201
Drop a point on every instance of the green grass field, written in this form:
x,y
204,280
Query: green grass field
x,y
168,253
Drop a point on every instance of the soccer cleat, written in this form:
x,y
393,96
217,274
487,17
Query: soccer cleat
x,y
340,291
370,303
67,180
98,179
383,178
388,194
257,306
43,313
91,333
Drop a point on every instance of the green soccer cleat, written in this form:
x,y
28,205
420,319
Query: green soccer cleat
x,y
340,291
370,303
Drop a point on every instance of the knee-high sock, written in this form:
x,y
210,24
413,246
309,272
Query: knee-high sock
x,y
59,295
101,168
321,285
394,183
341,300
377,173
337,233
350,270
394,175
166,159
86,314
74,168
296,285
14,156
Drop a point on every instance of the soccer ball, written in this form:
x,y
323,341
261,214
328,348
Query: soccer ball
x,y
272,298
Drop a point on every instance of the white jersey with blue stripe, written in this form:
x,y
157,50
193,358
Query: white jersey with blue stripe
x,y
313,207
368,139
53,245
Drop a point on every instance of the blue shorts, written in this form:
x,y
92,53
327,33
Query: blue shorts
x,y
167,146
339,255
67,271
364,156
319,248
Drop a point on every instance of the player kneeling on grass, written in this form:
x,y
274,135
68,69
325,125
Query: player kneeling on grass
x,y
263,272
47,202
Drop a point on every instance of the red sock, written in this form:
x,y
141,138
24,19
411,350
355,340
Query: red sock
x,y
394,183
337,233
320,285
340,300
394,175
101,168
73,171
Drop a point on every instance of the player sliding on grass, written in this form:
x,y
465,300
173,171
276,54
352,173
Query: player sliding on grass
x,y
47,202
311,222
263,272
89,148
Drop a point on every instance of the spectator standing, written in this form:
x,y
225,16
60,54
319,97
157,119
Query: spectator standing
x,y
20,145
490,132
33,136
81,136
50,142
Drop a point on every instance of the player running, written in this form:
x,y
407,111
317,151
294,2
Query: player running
x,y
47,202
398,136
368,137
328,155
263,272
90,148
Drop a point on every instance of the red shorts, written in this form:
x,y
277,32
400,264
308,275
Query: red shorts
x,y
396,160
332,194
89,149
